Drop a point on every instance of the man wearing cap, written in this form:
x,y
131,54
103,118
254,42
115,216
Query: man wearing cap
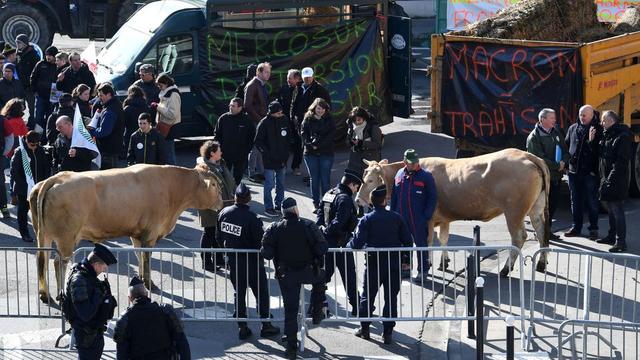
x,y
256,104
297,247
304,95
148,330
9,86
285,97
27,60
43,76
10,57
147,83
65,157
414,197
380,228
338,217
272,140
239,228
92,302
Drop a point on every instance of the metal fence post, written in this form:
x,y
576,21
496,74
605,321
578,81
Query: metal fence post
x,y
510,337
471,283
476,243
480,318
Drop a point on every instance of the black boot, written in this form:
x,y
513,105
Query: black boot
x,y
244,332
269,330
609,239
618,247
363,332
387,337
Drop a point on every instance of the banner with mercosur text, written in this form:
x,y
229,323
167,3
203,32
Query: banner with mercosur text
x,y
463,12
347,59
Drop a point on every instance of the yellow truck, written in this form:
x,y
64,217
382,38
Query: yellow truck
x,y
486,93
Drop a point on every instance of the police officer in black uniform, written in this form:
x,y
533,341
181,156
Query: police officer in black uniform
x,y
148,330
240,228
91,302
338,218
381,228
297,247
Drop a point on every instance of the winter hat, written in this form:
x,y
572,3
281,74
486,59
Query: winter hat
x,y
23,39
51,50
274,107
8,50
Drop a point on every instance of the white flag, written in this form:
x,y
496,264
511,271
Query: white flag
x,y
90,58
26,165
80,138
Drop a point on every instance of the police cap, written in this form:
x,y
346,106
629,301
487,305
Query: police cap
x,y
379,192
352,176
242,191
288,203
104,254
135,280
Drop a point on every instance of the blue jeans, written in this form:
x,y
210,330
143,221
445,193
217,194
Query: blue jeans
x,y
269,177
43,109
319,167
584,191
171,151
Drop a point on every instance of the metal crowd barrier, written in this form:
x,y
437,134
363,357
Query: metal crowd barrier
x,y
583,288
19,276
617,345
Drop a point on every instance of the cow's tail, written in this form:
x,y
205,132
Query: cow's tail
x,y
546,185
36,201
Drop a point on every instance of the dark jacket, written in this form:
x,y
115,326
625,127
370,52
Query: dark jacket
x,y
414,197
40,169
543,145
85,107
110,127
285,95
10,89
301,99
583,154
241,228
381,228
150,89
75,78
293,243
256,100
235,133
318,135
615,152
52,132
146,148
369,147
27,60
148,330
44,74
272,140
63,162
132,109
338,214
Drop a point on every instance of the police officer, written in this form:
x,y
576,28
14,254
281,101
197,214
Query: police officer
x,y
92,302
297,247
414,197
148,330
338,216
380,228
240,228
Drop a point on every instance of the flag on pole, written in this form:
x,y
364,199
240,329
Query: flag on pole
x,y
89,56
26,165
80,138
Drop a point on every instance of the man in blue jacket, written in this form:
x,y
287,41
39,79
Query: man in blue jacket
x,y
380,228
414,197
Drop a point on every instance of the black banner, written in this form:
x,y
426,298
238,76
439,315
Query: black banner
x,y
348,60
492,93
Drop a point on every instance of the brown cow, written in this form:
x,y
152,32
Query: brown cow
x,y
142,202
510,182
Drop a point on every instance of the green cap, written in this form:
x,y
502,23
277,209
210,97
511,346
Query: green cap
x,y
411,156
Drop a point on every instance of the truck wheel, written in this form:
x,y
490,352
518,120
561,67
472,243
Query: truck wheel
x,y
634,187
25,19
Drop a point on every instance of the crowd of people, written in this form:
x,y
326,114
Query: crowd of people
x,y
256,140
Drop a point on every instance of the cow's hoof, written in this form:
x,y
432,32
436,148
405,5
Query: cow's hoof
x,y
444,265
46,299
505,272
541,266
